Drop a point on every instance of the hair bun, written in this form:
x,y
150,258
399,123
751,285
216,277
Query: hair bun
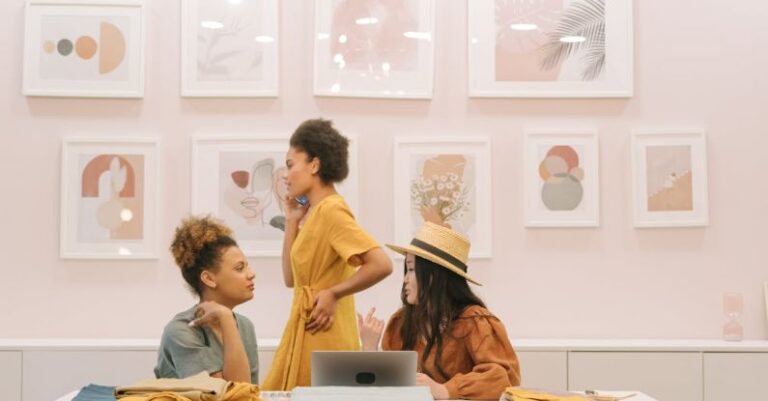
x,y
192,235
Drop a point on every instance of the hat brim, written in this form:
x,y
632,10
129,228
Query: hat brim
x,y
432,258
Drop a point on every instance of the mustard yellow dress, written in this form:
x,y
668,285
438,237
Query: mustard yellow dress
x,y
323,255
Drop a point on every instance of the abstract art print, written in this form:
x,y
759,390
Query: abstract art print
x,y
445,181
561,179
84,49
670,178
108,199
240,179
374,48
229,48
550,48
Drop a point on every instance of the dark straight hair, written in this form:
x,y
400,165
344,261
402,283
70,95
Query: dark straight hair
x,y
442,297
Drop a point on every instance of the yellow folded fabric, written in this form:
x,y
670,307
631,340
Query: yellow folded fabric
x,y
522,394
242,392
199,387
235,392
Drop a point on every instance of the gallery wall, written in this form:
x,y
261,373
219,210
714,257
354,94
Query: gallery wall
x,y
697,65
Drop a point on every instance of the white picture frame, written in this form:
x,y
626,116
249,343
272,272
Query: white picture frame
x,y
669,178
562,182
468,159
109,198
216,190
88,48
229,49
530,50
383,54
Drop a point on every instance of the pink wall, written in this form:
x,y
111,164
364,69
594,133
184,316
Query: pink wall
x,y
700,64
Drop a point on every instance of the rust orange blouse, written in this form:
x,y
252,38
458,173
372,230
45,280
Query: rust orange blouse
x,y
477,355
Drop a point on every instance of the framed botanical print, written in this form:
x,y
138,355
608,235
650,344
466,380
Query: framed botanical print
x,y
109,198
550,48
239,178
447,181
376,48
84,48
562,186
229,48
669,178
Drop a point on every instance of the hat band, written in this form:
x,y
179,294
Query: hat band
x,y
439,253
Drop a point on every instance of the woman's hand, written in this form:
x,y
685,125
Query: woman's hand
x,y
323,312
370,330
210,314
439,392
294,211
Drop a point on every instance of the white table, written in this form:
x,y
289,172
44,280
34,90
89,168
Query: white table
x,y
638,397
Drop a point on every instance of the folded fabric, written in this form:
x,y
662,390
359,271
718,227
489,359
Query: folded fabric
x,y
521,394
95,392
199,387
236,392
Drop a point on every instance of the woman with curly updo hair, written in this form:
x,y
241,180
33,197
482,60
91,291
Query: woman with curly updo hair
x,y
209,336
326,260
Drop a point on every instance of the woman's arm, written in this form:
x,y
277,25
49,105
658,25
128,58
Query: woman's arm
x,y
375,267
294,212
370,330
236,367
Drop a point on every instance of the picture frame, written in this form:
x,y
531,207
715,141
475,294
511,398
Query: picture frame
x,y
386,53
669,178
238,178
550,49
562,182
765,294
87,48
445,180
109,197
229,49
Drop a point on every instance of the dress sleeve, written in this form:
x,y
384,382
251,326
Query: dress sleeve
x,y
188,351
496,365
347,238
391,340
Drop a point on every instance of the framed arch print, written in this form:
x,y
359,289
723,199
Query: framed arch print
x,y
109,195
87,48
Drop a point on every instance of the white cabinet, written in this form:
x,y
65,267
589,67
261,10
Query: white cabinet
x,y
666,376
735,376
10,375
50,374
544,369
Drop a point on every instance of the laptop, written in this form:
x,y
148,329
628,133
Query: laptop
x,y
364,368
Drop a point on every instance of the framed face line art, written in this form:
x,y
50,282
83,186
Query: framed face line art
x,y
239,179
109,197
444,180
84,49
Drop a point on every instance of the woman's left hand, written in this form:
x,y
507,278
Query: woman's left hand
x,y
323,312
439,392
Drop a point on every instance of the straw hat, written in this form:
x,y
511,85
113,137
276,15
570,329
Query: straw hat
x,y
441,245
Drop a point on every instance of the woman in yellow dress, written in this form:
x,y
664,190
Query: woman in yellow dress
x,y
325,261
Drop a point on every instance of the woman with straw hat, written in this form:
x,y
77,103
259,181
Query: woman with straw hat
x,y
463,349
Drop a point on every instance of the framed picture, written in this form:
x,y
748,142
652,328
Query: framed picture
x,y
229,48
86,48
377,48
669,178
109,198
239,179
765,294
447,181
562,186
550,48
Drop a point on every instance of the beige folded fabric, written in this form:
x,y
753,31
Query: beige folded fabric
x,y
199,387
521,394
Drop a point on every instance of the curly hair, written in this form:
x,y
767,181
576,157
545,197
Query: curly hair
x,y
317,138
197,245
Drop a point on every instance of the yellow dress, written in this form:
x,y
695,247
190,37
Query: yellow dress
x,y
323,255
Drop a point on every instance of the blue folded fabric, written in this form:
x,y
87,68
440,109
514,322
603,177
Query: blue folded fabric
x,y
95,392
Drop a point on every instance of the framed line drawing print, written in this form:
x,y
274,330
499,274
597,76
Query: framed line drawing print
x,y
84,48
229,48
